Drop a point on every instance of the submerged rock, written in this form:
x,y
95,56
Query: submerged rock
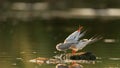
x,y
85,56
81,57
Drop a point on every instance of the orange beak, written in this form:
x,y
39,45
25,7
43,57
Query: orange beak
x,y
79,29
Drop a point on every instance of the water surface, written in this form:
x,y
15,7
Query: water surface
x,y
22,41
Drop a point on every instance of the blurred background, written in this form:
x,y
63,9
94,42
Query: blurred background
x,y
32,28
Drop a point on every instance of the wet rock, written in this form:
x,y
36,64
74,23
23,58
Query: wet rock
x,y
85,56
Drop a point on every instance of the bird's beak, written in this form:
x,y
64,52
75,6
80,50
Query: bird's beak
x,y
79,29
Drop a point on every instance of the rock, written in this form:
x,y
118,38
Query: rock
x,y
85,56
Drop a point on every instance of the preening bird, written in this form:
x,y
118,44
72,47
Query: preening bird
x,y
74,42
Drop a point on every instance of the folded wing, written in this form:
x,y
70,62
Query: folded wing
x,y
82,43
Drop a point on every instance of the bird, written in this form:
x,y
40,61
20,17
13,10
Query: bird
x,y
74,42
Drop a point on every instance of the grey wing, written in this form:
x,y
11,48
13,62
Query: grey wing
x,y
82,43
94,39
74,37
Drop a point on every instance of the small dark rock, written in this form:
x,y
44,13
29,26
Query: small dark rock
x,y
85,56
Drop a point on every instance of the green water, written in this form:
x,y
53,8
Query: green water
x,y
22,41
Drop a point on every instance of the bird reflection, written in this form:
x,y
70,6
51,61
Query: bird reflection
x,y
61,66
75,65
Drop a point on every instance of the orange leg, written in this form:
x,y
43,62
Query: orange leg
x,y
73,52
73,62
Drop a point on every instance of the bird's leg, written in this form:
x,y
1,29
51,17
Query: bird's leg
x,y
73,52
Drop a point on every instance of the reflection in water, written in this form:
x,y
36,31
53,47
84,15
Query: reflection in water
x,y
75,65
61,66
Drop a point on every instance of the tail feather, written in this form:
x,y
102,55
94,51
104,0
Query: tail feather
x,y
95,38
